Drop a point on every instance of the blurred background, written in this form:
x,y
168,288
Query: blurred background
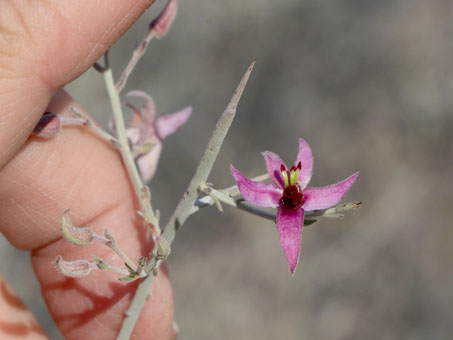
x,y
369,84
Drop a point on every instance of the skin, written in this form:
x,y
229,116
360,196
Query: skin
x,y
45,44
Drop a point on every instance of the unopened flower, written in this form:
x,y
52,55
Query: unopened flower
x,y
289,193
147,133
161,25
48,126
78,268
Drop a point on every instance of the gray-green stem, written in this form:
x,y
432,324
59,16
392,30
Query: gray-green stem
x,y
126,154
139,51
182,211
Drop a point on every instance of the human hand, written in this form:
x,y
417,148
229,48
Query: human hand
x,y
43,46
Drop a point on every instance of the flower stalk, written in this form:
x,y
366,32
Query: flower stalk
x,y
183,209
139,187
159,27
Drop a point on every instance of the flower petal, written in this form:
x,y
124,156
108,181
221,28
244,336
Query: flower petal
x,y
273,165
148,110
326,197
289,226
133,134
257,193
147,163
168,124
136,119
305,157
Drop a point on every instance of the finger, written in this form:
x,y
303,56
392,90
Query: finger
x,y
79,171
16,321
44,44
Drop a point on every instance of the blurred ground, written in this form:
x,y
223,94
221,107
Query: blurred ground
x,y
369,84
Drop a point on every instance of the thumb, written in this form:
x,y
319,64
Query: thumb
x,y
45,44
77,170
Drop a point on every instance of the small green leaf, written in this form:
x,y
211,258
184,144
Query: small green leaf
x,y
129,278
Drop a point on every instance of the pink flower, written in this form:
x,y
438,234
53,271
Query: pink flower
x,y
147,133
289,193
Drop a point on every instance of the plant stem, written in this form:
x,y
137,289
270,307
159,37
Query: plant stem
x,y
231,191
141,191
135,308
86,121
228,197
182,211
139,51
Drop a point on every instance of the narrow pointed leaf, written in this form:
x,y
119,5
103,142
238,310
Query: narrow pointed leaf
x,y
129,278
343,207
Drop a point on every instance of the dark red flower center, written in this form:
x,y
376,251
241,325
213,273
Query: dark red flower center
x,y
293,195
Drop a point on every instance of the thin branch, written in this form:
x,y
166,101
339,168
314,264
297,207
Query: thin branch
x,y
139,51
141,190
232,191
85,120
110,242
228,197
135,308
182,211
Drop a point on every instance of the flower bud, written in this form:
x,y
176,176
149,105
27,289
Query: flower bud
x,y
78,236
78,268
161,25
48,126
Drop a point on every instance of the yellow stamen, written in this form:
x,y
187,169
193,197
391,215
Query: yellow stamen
x,y
294,176
285,178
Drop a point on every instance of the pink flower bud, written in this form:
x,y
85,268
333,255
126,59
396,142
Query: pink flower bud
x,y
48,126
79,268
161,25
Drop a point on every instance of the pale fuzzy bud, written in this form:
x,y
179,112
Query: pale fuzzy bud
x,y
79,268
48,126
161,25
78,236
